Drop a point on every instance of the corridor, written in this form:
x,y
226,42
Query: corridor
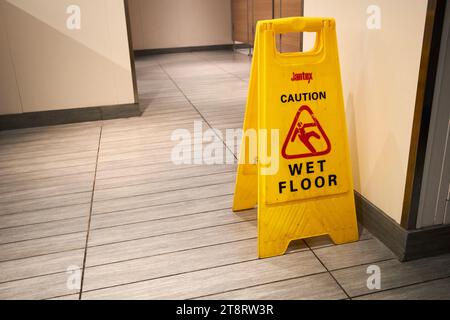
x,y
101,206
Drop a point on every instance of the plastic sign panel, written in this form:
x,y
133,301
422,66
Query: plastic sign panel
x,y
300,177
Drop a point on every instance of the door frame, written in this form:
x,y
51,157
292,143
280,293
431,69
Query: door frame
x,y
422,113
437,161
131,51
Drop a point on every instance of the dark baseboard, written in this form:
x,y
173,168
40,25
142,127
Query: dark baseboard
x,y
242,46
405,244
147,52
381,226
435,240
56,117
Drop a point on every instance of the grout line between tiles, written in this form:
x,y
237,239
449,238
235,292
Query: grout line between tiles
x,y
90,215
287,279
134,259
41,255
43,209
331,275
153,193
25,156
161,219
171,252
192,271
13,201
162,204
48,177
102,228
196,109
219,266
75,249
401,287
156,163
41,238
170,179
176,168
60,161
258,285
42,222
171,233
226,71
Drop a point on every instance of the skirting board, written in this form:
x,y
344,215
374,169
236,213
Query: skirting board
x,y
146,52
56,117
406,244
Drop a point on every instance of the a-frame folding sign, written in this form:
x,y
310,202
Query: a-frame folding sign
x,y
303,187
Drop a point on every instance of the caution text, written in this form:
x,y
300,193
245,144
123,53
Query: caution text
x,y
303,97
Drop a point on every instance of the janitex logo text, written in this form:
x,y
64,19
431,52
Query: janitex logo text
x,y
303,76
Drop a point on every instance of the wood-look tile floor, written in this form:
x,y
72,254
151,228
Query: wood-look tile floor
x,y
102,203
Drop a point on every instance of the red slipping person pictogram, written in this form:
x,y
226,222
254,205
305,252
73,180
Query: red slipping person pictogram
x,y
306,137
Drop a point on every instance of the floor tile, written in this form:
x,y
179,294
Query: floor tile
x,y
316,287
352,254
433,290
393,274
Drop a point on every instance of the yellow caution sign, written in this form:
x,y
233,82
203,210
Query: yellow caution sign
x,y
299,174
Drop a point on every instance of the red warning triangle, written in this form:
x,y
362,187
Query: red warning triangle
x,y
306,138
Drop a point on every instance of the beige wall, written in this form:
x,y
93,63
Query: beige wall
x,y
180,23
380,71
57,68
